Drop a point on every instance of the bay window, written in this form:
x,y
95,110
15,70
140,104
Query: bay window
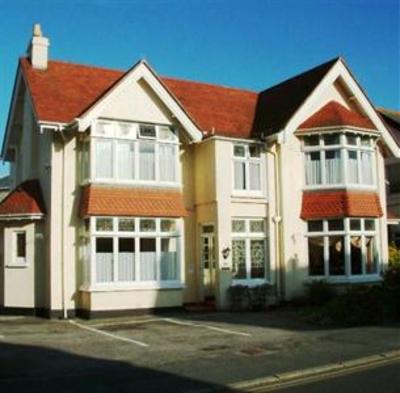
x,y
342,247
133,153
247,168
134,250
339,159
249,249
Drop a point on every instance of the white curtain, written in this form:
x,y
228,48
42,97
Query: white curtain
x,y
167,162
104,266
147,161
126,266
126,160
104,159
313,169
240,170
148,266
366,167
255,176
332,167
169,260
352,167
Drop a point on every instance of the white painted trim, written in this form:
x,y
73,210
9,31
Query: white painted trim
x,y
141,70
10,217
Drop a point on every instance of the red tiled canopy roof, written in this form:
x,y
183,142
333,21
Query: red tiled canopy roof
x,y
335,204
65,90
119,201
335,114
24,200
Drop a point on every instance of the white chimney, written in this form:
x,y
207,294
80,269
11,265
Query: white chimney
x,y
38,50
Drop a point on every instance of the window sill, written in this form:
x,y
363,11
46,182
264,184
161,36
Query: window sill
x,y
17,265
121,287
340,186
250,282
134,183
346,280
248,195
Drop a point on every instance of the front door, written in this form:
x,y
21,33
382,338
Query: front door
x,y
208,261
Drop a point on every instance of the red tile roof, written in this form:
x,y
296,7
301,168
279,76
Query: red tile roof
x,y
123,201
26,199
66,90
335,114
334,204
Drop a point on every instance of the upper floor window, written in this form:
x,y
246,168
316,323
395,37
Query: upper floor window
x,y
339,159
393,170
247,167
131,152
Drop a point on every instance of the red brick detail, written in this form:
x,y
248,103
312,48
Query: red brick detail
x,y
110,201
65,90
335,204
335,114
26,199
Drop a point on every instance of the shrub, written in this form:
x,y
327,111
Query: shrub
x,y
239,297
258,296
394,255
319,293
391,285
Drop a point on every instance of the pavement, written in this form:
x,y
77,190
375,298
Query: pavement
x,y
188,352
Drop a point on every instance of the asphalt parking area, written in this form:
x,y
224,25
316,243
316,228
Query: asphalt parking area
x,y
176,349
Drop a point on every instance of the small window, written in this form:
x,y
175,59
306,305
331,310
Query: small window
x,y
168,225
104,224
147,131
355,225
254,151
257,226
147,225
239,151
369,225
351,140
20,247
126,224
335,225
208,228
126,130
166,133
332,139
312,140
104,128
365,141
315,226
238,225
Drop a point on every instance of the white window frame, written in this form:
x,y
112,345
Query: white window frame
x,y
247,160
247,236
344,148
115,234
135,138
347,233
19,261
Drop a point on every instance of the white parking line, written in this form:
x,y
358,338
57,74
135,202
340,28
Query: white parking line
x,y
115,337
217,329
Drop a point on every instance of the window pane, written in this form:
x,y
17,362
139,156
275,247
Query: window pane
x,y
254,151
316,256
365,141
147,225
147,131
312,140
147,161
336,255
366,167
126,160
21,245
315,226
239,151
148,260
335,225
104,224
126,130
168,225
167,162
240,175
126,224
256,225
238,259
333,172
355,225
332,139
104,259
371,266
257,253
255,176
169,259
369,225
313,168
356,254
351,140
126,259
104,159
238,226
104,128
352,166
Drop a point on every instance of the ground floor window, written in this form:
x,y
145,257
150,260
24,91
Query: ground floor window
x,y
342,247
249,249
135,249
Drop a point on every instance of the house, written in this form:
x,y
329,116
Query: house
x,y
135,191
